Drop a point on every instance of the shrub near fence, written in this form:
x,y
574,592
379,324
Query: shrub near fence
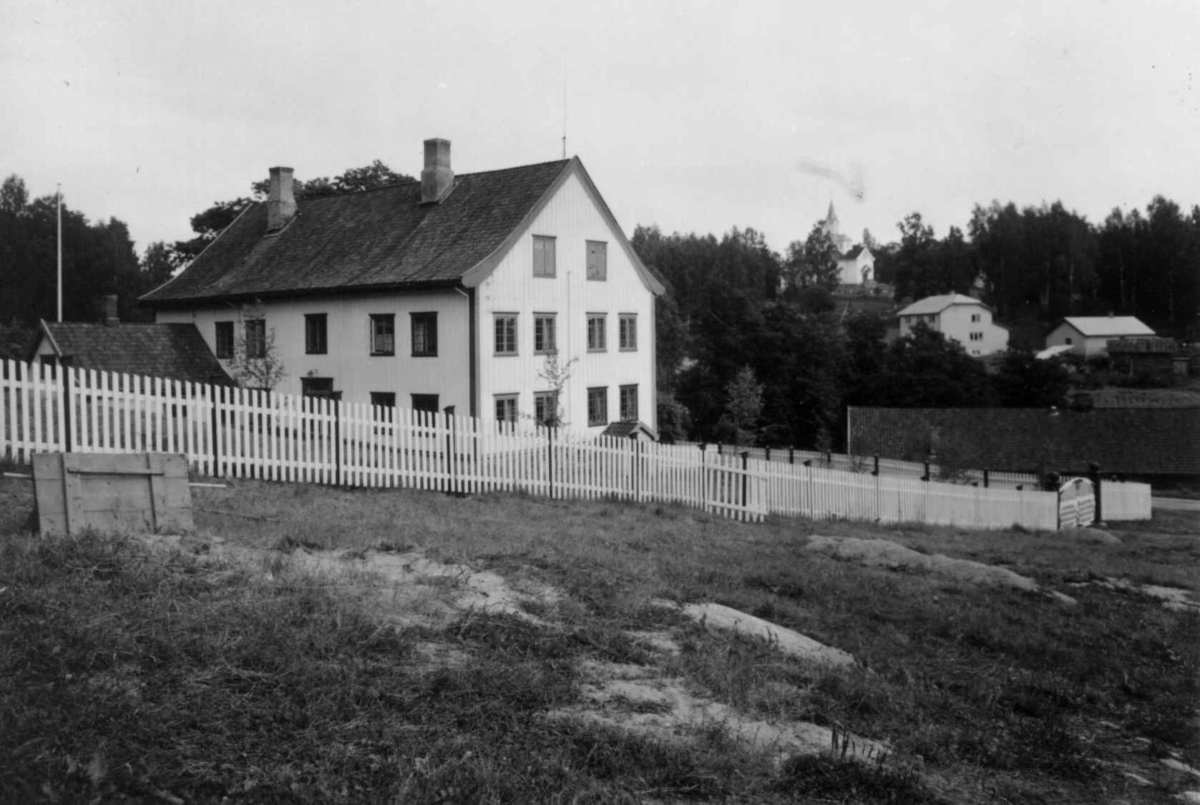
x,y
242,433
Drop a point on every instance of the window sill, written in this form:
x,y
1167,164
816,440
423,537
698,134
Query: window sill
x,y
383,354
424,355
629,349
545,276
597,279
597,351
505,354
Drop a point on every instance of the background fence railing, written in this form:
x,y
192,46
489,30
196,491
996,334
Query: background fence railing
x,y
236,432
886,466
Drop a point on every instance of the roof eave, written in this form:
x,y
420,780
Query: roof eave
x,y
143,299
293,293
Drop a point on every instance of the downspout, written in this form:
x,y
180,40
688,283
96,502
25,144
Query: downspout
x,y
472,352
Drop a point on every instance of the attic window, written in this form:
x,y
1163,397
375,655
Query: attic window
x,y
543,256
597,260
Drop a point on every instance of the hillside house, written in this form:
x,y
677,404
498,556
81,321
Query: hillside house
x,y
1089,335
448,293
173,351
960,318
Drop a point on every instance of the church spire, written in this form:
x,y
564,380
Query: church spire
x,y
832,216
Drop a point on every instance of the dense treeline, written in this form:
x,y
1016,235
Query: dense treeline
x,y
741,359
98,259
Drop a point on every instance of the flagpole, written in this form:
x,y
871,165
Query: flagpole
x,y
60,253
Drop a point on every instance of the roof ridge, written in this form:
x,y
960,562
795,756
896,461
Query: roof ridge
x,y
394,185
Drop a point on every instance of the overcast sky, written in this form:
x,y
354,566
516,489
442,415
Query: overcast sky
x,y
695,116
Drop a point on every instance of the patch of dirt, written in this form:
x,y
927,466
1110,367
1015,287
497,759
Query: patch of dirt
x,y
639,700
884,553
1173,598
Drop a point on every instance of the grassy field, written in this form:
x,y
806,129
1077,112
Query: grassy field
x,y
223,666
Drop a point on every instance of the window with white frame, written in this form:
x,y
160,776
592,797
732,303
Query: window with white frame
x,y
545,407
597,325
629,403
506,407
424,335
383,334
505,327
627,332
256,338
597,404
544,337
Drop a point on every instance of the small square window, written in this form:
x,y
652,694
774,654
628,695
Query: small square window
x,y
256,338
597,402
506,407
597,260
506,333
424,335
383,334
425,402
627,334
543,256
544,340
545,407
629,403
316,334
597,324
224,340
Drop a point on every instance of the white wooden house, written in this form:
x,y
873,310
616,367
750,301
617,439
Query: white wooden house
x,y
960,318
451,292
1089,335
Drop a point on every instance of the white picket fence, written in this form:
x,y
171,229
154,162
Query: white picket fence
x,y
250,434
1124,500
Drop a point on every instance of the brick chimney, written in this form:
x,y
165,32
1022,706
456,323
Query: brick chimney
x,y
281,201
437,177
111,317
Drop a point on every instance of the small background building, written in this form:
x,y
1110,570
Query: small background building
x,y
960,318
855,263
1089,335
172,351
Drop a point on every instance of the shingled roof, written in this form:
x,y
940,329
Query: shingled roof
x,y
376,240
936,304
175,351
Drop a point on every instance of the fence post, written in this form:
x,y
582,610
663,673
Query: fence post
x,y
550,459
926,476
791,455
214,423
633,466
65,378
875,471
985,478
828,458
1094,472
703,479
768,453
337,442
448,412
745,476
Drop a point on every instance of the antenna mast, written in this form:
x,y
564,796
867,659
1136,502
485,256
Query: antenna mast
x,y
564,137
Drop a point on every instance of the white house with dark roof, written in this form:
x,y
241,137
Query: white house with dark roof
x,y
450,292
961,318
1089,335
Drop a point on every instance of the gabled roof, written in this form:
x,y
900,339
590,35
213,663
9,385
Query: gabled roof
x,y
855,252
1111,326
175,351
378,240
936,304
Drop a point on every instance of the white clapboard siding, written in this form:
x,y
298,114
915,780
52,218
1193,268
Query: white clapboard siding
x,y
243,433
